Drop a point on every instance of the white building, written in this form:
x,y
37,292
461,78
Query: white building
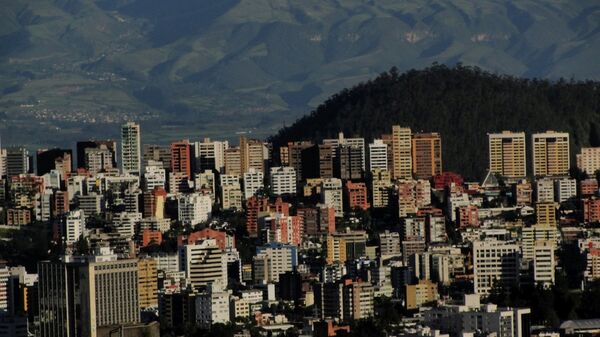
x,y
253,182
212,306
154,176
193,208
204,263
389,244
131,159
332,195
74,226
378,155
494,261
126,222
210,154
283,180
564,189
544,190
543,263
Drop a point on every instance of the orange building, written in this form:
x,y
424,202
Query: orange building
x,y
280,207
588,187
181,158
468,216
61,203
286,229
254,206
154,203
222,239
150,236
426,155
356,195
591,210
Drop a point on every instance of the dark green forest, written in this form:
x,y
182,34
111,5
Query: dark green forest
x,y
463,104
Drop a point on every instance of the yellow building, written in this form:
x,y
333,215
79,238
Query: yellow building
x,y
418,294
545,213
507,154
336,249
147,283
551,154
401,152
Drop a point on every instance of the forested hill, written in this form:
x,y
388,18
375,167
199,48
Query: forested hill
x,y
463,104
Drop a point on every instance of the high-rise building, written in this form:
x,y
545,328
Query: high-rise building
x,y
131,161
204,263
356,195
47,160
544,190
210,155
252,155
194,208
283,180
109,145
348,162
147,283
74,226
588,160
495,263
181,158
543,263
551,155
272,260
389,244
426,155
332,195
2,161
77,297
564,189
378,155
157,154
253,182
381,187
99,159
17,161
401,152
507,154
545,213
233,161
295,157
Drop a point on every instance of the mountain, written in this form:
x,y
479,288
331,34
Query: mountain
x,y
463,104
189,68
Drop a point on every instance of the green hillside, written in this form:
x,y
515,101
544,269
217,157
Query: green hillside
x,y
463,104
77,67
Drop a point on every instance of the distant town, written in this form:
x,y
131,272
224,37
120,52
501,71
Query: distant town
x,y
343,237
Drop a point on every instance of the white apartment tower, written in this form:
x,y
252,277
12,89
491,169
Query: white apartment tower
x,y
494,262
131,158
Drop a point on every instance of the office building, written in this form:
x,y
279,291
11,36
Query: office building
x,y
401,152
495,263
17,161
507,154
426,155
551,155
131,157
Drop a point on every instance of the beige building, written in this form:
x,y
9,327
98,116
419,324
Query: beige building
x,y
507,154
147,283
421,293
588,160
544,263
401,152
233,161
381,185
495,262
551,154
426,155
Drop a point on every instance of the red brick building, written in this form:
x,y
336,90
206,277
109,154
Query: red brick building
x,y
591,210
356,195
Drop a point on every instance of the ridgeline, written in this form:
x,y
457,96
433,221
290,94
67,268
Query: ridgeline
x,y
463,104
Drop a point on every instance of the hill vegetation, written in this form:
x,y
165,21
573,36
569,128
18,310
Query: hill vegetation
x,y
463,104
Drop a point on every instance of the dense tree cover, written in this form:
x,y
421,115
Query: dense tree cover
x,y
28,245
463,104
